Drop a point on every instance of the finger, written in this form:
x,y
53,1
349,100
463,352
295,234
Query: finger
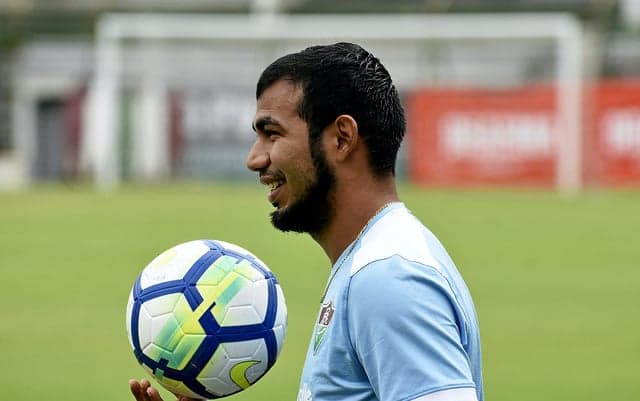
x,y
138,391
146,386
153,394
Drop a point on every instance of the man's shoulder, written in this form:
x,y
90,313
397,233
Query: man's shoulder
x,y
396,233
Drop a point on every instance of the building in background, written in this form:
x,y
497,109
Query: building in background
x,y
201,93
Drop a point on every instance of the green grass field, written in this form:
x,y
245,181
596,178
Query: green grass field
x,y
556,282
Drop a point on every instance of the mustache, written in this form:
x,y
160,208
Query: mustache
x,y
268,174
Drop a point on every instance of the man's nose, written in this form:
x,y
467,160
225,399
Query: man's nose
x,y
258,158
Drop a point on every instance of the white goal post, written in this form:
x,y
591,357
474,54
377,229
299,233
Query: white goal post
x,y
269,35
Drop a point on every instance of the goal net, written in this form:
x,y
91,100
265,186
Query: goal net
x,y
491,99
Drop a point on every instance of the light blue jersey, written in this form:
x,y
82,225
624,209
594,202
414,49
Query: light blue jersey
x,y
396,323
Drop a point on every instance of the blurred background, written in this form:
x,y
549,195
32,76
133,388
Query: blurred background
x,y
125,124
532,92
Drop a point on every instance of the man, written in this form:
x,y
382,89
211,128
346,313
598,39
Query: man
x,y
396,320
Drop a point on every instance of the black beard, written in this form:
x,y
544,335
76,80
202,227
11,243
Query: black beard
x,y
311,213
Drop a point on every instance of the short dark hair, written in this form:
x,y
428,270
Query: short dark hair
x,y
344,78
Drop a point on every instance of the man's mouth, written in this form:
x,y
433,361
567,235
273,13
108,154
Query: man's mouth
x,y
274,190
274,184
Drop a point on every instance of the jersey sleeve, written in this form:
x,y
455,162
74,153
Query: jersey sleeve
x,y
407,331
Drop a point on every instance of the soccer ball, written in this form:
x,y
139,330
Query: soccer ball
x,y
206,318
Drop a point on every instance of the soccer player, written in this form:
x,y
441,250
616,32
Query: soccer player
x,y
396,320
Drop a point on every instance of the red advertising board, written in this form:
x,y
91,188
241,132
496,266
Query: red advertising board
x,y
482,137
612,151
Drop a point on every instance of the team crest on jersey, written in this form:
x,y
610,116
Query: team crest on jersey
x,y
326,314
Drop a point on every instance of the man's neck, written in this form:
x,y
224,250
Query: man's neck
x,y
349,219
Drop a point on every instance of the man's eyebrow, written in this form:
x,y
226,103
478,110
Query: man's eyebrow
x,y
262,121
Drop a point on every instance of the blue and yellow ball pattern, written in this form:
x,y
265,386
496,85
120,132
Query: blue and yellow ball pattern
x,y
206,318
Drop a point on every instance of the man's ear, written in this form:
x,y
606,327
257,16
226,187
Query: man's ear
x,y
345,136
